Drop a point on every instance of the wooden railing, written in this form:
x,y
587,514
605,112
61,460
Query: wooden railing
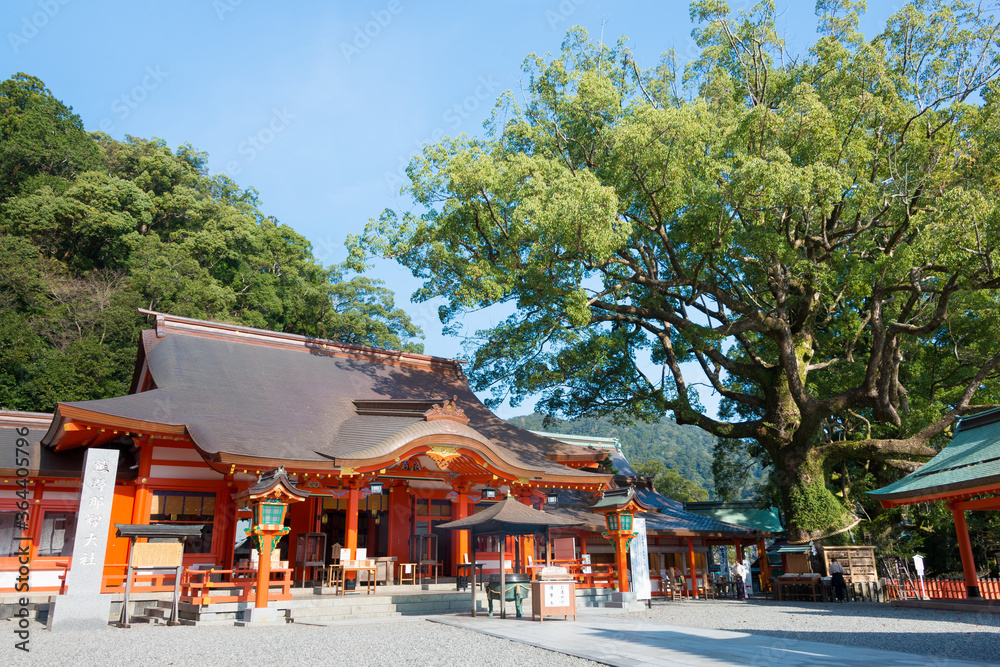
x,y
600,575
197,586
161,581
944,589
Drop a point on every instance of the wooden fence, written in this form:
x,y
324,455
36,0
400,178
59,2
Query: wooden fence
x,y
952,589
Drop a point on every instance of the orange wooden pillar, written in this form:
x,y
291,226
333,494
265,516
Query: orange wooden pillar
x,y
351,527
692,571
527,541
460,552
965,549
399,523
765,566
226,524
140,515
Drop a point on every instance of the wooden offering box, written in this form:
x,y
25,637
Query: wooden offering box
x,y
553,598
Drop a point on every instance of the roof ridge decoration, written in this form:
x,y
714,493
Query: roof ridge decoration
x,y
447,410
443,455
166,323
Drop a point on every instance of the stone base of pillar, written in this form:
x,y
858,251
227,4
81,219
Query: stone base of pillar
x,y
79,612
972,591
261,616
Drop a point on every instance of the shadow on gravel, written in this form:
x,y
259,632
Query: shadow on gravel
x,y
831,648
871,610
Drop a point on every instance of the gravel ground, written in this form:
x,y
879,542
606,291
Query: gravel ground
x,y
392,643
928,632
934,634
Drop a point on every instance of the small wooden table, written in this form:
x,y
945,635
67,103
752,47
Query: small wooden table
x,y
338,574
407,573
431,565
797,585
462,581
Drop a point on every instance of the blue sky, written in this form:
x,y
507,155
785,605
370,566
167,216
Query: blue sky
x,y
319,105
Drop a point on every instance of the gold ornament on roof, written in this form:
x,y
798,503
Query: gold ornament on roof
x,y
447,410
443,456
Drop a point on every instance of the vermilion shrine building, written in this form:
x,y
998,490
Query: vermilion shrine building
x,y
965,475
212,406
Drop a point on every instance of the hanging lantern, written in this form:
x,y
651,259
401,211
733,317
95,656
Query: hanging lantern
x,y
375,488
489,493
552,498
269,512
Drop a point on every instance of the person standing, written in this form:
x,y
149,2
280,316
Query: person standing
x,y
739,572
837,579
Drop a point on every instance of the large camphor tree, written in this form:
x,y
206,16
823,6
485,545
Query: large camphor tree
x,y
815,236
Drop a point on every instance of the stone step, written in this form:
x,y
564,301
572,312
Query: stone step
x,y
147,618
329,616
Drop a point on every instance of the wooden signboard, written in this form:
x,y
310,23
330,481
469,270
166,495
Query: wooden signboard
x,y
157,554
553,598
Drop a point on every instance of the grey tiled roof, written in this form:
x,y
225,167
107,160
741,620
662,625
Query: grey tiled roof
x,y
671,519
295,404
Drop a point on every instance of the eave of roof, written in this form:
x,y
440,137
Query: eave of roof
x,y
968,465
248,396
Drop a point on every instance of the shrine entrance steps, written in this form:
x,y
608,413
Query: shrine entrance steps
x,y
307,607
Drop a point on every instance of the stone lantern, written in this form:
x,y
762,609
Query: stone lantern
x,y
618,507
269,498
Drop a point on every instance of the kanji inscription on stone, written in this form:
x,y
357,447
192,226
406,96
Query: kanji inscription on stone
x,y
83,606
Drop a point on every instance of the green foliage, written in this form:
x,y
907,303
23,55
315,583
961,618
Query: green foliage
x,y
816,233
671,483
92,229
686,449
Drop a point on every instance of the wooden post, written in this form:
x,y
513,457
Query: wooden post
x,y
692,571
227,525
472,571
351,527
965,549
765,566
263,572
621,562
460,538
139,513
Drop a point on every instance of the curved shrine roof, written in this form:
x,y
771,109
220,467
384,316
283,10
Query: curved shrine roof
x,y
970,463
241,392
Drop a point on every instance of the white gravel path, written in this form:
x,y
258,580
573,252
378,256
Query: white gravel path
x,y
390,643
932,633
935,636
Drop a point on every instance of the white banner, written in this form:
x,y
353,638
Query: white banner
x,y
639,557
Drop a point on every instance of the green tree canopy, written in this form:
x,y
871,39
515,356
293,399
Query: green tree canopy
x,y
671,483
815,233
92,229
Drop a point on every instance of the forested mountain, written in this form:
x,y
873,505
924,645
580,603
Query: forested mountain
x,y
687,449
92,228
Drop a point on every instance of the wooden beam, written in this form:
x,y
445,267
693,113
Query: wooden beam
x,y
978,504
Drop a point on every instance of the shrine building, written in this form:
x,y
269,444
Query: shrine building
x,y
965,475
386,444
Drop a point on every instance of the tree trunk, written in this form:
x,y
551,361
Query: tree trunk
x,y
811,510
